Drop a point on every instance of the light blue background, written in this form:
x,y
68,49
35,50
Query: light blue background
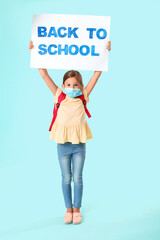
x,y
121,198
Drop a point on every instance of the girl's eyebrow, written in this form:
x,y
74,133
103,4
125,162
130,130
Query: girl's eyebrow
x,y
74,83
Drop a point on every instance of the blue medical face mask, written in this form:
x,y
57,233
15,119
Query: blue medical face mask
x,y
72,92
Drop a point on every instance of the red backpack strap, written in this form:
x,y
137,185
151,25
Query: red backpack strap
x,y
85,103
56,107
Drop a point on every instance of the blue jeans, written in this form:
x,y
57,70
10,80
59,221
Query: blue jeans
x,y
72,154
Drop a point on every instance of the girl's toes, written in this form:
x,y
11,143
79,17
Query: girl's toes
x,y
68,217
77,217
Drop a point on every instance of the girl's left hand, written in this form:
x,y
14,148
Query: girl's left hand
x,y
109,45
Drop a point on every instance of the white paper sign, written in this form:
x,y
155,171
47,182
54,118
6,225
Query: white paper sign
x,y
75,42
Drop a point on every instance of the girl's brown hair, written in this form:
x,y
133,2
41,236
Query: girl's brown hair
x,y
73,73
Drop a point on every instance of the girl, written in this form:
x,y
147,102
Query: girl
x,y
71,131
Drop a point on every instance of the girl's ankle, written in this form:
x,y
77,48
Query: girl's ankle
x,y
69,210
76,210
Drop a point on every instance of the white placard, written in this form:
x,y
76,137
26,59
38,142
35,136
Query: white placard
x,y
73,42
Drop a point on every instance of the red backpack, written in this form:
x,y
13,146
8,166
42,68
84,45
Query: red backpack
x,y
60,99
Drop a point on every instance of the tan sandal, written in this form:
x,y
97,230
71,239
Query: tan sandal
x,y
77,217
68,217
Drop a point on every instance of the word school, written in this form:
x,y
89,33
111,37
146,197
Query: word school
x,y
63,32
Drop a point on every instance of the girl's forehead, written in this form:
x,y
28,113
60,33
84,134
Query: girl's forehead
x,y
71,80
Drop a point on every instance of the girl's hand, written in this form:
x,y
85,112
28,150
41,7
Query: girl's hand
x,y
31,46
109,45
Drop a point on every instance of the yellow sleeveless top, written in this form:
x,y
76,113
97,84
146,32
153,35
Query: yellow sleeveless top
x,y
70,124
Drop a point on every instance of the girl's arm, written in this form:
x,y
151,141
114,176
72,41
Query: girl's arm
x,y
44,74
92,82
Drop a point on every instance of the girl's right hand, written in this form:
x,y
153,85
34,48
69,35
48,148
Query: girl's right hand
x,y
31,46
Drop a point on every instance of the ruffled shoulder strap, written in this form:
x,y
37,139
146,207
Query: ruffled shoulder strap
x,y
85,103
58,92
85,95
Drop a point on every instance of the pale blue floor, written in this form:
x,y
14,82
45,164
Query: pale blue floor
x,y
32,207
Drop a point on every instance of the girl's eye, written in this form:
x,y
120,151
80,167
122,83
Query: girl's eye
x,y
75,85
68,84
